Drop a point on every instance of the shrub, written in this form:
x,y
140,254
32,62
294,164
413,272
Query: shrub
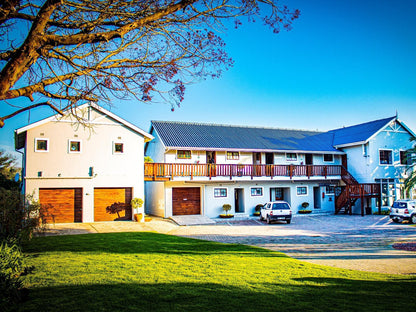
x,y
258,207
226,208
19,217
11,269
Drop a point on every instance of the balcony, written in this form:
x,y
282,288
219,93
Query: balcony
x,y
166,172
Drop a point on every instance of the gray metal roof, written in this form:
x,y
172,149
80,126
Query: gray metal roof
x,y
226,137
358,133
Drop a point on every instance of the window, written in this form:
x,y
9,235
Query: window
x,y
256,191
302,190
403,158
74,146
329,189
41,145
184,154
328,158
388,191
291,156
220,192
233,155
118,148
386,157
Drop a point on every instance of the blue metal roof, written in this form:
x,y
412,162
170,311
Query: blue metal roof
x,y
358,133
221,137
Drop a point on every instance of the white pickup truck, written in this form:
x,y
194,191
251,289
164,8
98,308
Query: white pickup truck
x,y
276,211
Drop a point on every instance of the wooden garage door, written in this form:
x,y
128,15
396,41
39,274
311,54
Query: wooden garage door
x,y
61,205
105,197
186,201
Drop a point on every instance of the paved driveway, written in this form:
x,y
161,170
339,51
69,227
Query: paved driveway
x,y
352,242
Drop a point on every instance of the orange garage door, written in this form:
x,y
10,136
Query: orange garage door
x,y
186,201
105,197
61,205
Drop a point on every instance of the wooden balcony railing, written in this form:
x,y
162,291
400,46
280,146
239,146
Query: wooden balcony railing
x,y
163,171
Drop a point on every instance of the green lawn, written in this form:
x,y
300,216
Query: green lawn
x,y
155,272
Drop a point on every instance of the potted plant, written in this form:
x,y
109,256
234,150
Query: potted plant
x,y
305,205
137,203
226,208
257,210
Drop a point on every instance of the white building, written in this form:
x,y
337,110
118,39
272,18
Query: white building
x,y
77,171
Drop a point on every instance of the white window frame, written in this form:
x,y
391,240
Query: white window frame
x,y
69,146
232,157
36,145
292,159
114,148
257,187
190,154
400,158
328,161
221,188
365,150
392,156
329,193
297,190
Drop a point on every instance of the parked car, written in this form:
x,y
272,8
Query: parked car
x,y
403,209
276,211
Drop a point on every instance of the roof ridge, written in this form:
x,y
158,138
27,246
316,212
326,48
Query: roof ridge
x,y
361,124
232,126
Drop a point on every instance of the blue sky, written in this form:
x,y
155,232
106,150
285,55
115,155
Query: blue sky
x,y
344,62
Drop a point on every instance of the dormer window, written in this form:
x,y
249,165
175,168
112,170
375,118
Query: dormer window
x,y
41,145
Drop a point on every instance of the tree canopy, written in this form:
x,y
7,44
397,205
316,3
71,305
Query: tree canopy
x,y
63,52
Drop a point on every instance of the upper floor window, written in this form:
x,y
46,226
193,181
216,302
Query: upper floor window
x,y
256,191
291,156
184,154
328,158
74,146
386,157
233,155
403,158
118,148
41,145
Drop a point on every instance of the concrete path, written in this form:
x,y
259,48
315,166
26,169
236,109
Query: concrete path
x,y
351,242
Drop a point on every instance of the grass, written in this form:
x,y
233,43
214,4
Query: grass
x,y
156,272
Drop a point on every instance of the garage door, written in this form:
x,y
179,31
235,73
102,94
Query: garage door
x,y
186,201
105,197
61,205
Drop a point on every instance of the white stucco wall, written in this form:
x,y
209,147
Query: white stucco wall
x,y
61,169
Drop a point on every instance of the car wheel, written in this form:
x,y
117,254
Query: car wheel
x,y
395,220
288,221
268,220
261,218
413,219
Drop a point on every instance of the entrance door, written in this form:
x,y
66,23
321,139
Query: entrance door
x,y
276,193
239,200
269,158
317,197
308,159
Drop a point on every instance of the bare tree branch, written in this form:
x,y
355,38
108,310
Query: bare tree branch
x,y
81,50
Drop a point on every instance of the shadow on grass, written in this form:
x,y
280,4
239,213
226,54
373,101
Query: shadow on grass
x,y
304,294
138,242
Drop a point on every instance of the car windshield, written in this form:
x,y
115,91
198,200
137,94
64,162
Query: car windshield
x,y
277,206
399,205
